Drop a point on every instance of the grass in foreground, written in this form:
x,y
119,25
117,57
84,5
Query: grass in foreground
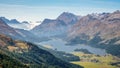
x,y
95,61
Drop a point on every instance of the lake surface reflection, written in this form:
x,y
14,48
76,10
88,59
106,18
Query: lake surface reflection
x,y
60,46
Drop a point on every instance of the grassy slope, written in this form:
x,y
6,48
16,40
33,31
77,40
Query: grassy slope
x,y
30,54
93,65
103,61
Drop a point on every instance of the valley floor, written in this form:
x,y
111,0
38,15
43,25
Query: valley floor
x,y
96,61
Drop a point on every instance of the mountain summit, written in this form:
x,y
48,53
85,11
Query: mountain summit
x,y
67,18
57,26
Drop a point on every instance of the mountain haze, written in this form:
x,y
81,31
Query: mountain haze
x,y
17,33
57,26
20,25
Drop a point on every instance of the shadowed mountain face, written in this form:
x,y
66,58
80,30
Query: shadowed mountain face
x,y
55,27
28,54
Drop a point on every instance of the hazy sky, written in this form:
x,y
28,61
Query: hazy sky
x,y
38,10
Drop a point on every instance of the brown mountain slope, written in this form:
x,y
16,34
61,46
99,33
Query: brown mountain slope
x,y
104,25
98,30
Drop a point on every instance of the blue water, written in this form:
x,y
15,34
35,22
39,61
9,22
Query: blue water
x,y
60,46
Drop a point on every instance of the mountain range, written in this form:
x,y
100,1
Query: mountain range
x,y
13,50
95,30
20,25
16,33
105,25
98,30
57,26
